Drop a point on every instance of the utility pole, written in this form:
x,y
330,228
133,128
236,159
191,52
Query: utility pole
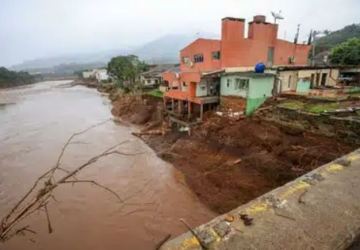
x,y
314,33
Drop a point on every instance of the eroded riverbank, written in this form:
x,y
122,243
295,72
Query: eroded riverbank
x,y
33,129
226,162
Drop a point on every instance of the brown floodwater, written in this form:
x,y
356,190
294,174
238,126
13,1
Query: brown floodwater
x,y
35,122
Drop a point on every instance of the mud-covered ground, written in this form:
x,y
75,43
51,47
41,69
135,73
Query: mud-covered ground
x,y
228,163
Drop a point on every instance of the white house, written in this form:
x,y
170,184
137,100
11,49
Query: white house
x,y
101,75
88,74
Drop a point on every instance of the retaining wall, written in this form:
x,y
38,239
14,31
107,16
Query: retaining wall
x,y
320,210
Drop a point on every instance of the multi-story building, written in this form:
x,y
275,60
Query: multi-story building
x,y
233,52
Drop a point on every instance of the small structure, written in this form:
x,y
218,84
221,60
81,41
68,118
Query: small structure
x,y
153,77
170,79
245,91
101,75
302,78
88,74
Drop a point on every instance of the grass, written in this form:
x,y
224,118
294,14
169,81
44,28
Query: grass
x,y
293,104
321,107
156,93
315,108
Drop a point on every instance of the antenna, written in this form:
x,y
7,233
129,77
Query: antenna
x,y
297,34
277,15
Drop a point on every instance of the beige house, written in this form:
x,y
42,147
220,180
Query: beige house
x,y
289,77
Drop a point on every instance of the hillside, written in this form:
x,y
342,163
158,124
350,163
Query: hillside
x,y
166,49
162,50
11,78
333,38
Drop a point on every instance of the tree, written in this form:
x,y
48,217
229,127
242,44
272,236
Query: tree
x,y
11,78
333,38
126,69
346,53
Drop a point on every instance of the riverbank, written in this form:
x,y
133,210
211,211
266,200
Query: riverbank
x,y
35,128
227,162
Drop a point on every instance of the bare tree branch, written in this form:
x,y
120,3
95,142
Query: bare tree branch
x,y
97,184
39,194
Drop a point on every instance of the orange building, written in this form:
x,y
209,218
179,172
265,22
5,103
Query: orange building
x,y
233,51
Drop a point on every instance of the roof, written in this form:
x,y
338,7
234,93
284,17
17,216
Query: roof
x,y
200,39
252,74
233,19
157,70
307,67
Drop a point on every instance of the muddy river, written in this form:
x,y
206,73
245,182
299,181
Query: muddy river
x,y
35,122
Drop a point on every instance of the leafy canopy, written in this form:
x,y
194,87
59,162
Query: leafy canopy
x,y
10,78
126,69
346,53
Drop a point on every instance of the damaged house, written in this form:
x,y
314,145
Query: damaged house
x,y
153,77
194,93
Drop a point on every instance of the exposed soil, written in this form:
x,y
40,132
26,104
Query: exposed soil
x,y
137,109
228,163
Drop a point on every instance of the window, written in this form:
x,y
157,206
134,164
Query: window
x,y
203,88
198,58
185,60
241,83
228,82
215,55
185,84
148,81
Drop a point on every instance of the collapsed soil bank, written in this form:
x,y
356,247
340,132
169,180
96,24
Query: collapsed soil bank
x,y
228,163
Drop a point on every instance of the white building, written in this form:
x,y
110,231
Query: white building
x,y
101,75
98,74
88,74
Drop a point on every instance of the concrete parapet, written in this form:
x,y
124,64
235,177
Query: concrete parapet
x,y
320,210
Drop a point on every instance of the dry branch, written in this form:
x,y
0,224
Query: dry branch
x,y
40,193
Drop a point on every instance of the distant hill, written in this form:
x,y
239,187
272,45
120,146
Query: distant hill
x,y
48,63
160,51
329,41
166,49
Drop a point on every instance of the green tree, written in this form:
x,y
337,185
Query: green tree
x,y
126,69
346,53
10,78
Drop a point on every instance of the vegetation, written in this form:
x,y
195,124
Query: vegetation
x,y
10,78
155,93
332,39
346,53
315,108
125,70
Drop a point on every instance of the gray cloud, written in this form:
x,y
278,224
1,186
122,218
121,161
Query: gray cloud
x,y
42,28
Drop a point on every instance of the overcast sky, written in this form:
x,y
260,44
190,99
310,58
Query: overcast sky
x,y
43,28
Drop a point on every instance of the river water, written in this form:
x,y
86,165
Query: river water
x,y
35,122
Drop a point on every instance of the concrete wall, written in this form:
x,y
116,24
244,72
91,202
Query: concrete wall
x,y
303,86
319,210
204,47
238,51
202,89
331,79
290,84
288,80
227,86
259,89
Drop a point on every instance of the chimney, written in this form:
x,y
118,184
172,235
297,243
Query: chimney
x,y
259,19
232,29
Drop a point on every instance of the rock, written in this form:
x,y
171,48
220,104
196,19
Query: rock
x,y
222,228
